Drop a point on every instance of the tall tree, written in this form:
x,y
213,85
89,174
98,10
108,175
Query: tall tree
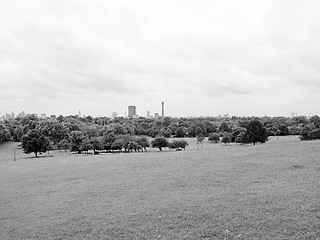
x,y
76,138
226,138
256,132
35,142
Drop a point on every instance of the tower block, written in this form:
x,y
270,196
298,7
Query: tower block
x,y
162,104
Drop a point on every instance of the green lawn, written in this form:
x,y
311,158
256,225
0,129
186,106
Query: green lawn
x,y
267,191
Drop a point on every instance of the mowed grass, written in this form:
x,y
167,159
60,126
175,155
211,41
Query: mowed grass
x,y
267,191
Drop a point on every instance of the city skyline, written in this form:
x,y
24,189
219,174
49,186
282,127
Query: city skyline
x,y
245,58
148,114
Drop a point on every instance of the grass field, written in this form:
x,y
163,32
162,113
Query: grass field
x,y
267,191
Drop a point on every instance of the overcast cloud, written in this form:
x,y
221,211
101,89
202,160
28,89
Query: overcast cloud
x,y
200,57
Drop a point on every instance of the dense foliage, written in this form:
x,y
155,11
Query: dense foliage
x,y
83,134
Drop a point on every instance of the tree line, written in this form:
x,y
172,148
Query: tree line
x,y
84,134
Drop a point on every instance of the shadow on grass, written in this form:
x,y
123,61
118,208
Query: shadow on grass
x,y
39,157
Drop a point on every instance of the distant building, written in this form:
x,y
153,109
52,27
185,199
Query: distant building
x,y
114,115
148,114
8,116
53,116
132,111
162,109
21,115
156,115
43,116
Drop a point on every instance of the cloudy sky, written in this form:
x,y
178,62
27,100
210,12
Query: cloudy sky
x,y
201,57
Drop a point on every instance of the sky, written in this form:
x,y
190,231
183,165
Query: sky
x,y
201,57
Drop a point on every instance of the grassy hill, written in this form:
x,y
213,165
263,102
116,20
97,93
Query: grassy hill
x,y
267,191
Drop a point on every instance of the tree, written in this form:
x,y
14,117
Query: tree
x,y
316,120
166,121
5,135
86,145
133,145
224,127
210,127
117,129
196,129
226,138
159,142
53,129
182,144
180,132
314,134
295,130
91,131
284,130
143,142
237,134
76,138
310,132
35,142
117,145
214,138
178,144
256,132
125,139
200,138
63,144
107,140
96,144
165,133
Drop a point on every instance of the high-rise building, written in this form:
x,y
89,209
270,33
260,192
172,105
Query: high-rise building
x,y
114,115
156,115
162,113
132,111
148,114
